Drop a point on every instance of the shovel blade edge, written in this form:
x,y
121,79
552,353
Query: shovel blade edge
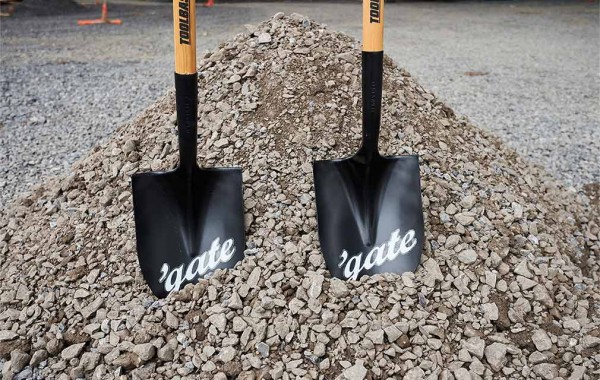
x,y
370,216
187,226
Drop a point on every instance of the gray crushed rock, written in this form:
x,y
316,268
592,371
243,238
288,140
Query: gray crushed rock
x,y
73,299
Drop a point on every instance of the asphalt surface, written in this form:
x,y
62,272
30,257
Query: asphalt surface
x,y
528,71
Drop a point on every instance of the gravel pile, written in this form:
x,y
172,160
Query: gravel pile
x,y
508,286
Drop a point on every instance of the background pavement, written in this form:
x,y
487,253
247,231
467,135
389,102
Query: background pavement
x,y
528,71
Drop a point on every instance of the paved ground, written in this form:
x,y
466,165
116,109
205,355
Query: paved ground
x,y
527,71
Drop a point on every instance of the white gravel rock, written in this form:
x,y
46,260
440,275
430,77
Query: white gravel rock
x,y
490,311
541,340
356,372
495,354
6,335
145,351
414,374
264,38
475,345
546,371
72,351
468,256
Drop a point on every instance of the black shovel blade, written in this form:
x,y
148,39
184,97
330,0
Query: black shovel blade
x,y
188,223
369,215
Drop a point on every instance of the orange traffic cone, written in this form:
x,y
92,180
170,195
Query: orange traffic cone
x,y
102,20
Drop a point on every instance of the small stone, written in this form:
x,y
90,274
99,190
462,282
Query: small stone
x,y
347,56
92,307
356,372
375,336
468,256
254,277
6,335
572,325
523,270
128,361
468,202
263,349
577,373
277,371
222,143
145,351
319,350
72,351
526,283
123,279
234,78
208,351
227,354
490,311
338,288
495,354
589,341
89,360
541,340
490,279
81,293
53,346
235,302
452,241
219,321
264,38
171,320
546,371
414,374
433,269
38,357
404,341
475,346
166,353
239,325
18,360
208,367
464,218
392,333
316,283
538,357
462,374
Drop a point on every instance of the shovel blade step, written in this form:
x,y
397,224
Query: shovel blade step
x,y
188,224
369,215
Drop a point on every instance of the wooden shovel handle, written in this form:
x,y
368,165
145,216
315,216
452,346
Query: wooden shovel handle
x,y
184,20
373,25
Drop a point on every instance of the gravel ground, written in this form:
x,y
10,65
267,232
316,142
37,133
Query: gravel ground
x,y
64,87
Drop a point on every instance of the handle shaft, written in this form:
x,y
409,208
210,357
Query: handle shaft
x,y
373,25
184,20
186,81
186,99
372,75
372,81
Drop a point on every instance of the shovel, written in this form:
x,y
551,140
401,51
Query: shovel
x,y
369,208
188,221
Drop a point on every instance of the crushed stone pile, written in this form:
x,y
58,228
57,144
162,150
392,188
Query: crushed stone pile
x,y
508,286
